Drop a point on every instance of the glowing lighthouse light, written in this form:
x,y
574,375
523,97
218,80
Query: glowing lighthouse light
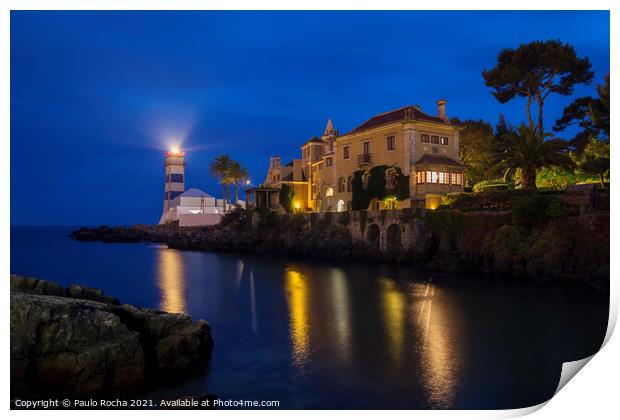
x,y
175,150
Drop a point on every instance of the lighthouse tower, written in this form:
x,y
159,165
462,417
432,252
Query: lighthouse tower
x,y
175,180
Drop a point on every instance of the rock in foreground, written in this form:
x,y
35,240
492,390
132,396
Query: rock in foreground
x,y
79,341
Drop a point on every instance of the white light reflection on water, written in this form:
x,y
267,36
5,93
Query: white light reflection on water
x,y
341,312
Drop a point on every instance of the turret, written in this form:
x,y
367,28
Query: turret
x,y
329,136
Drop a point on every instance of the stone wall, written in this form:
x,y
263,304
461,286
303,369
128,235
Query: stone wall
x,y
385,228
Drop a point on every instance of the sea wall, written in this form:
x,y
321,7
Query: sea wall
x,y
78,341
539,242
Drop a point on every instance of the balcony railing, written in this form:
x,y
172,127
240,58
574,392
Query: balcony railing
x,y
364,159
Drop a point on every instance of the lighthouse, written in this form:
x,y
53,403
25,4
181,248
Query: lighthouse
x,y
175,180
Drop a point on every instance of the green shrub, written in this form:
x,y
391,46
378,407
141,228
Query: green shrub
x,y
236,219
537,208
286,197
492,185
510,239
483,200
444,224
267,219
376,187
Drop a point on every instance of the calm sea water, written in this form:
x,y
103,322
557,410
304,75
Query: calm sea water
x,y
339,335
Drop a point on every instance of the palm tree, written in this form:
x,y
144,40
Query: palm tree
x,y
237,174
528,150
220,168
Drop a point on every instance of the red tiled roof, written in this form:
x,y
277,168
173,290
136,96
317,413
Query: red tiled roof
x,y
397,115
437,160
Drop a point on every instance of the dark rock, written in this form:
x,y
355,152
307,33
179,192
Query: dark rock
x,y
184,348
71,345
78,291
87,343
35,286
172,341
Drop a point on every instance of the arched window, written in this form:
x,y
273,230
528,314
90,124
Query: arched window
x,y
329,192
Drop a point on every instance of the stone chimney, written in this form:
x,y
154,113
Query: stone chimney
x,y
441,109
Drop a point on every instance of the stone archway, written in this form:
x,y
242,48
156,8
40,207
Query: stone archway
x,y
329,199
341,205
393,239
373,236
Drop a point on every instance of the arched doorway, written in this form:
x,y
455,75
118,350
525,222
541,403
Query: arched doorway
x,y
393,238
329,198
373,236
341,205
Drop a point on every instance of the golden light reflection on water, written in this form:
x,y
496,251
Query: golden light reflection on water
x,y
171,281
439,364
297,291
393,303
340,306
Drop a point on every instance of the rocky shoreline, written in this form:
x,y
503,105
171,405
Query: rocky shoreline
x,y
76,341
556,250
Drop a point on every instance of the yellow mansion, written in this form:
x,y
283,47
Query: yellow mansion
x,y
405,142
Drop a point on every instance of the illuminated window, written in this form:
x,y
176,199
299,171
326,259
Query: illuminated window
x,y
435,139
432,177
457,179
390,143
444,178
419,177
444,141
345,152
425,138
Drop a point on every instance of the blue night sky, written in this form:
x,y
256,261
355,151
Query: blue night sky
x,y
97,96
